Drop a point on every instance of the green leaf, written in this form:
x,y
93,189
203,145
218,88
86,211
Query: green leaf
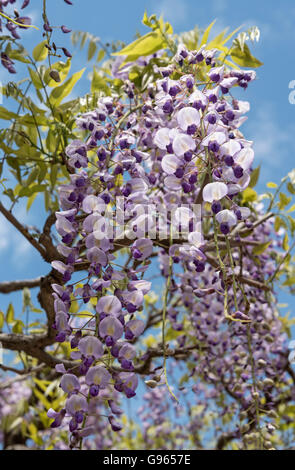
x,y
40,52
284,200
42,398
259,249
91,50
60,92
32,176
206,33
98,83
244,58
254,177
5,114
62,68
10,314
272,185
230,35
35,79
145,20
249,195
145,45
291,188
30,201
18,327
279,222
285,243
15,54
37,188
2,319
100,55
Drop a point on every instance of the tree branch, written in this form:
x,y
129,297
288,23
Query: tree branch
x,y
11,286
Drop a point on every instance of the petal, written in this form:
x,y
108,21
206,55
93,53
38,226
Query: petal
x,y
214,191
188,116
162,138
245,158
170,163
183,143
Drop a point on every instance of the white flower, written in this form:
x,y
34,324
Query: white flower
x,y
230,148
226,217
170,163
163,137
214,191
183,143
187,117
245,158
218,137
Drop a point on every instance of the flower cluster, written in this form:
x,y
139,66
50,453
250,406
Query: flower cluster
x,y
175,145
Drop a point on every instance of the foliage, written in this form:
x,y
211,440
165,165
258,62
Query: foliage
x,y
234,374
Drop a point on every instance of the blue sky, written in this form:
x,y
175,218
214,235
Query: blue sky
x,y
271,123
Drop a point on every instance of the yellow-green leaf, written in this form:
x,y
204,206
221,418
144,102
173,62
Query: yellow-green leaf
x,y
272,185
10,314
249,195
35,79
91,50
18,327
98,83
63,69
5,114
145,45
284,200
206,33
60,92
230,35
259,249
2,318
40,52
285,242
254,177
244,58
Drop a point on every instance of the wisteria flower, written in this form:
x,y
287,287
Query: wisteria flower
x,y
188,119
90,346
214,191
70,383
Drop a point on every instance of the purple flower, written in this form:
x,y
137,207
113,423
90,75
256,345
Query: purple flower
x,y
111,329
70,383
98,375
109,304
114,424
76,404
134,328
142,248
90,346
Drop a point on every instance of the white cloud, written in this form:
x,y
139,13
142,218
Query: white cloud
x,y
174,11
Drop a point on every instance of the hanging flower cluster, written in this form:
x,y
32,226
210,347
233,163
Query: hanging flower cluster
x,y
144,162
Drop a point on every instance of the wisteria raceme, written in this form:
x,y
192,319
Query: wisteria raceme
x,y
161,174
